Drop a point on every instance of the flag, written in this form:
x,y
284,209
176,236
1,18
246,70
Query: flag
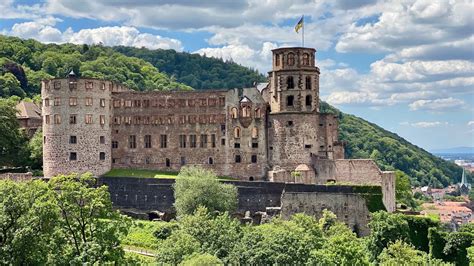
x,y
299,25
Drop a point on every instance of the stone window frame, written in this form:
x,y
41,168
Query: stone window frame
x,y
308,83
89,85
72,101
127,103
277,59
290,59
254,133
73,119
117,103
306,59
46,102
47,119
57,85
88,119
222,101
182,141
132,141
234,113
102,102
147,141
57,119
238,158
46,85
163,141
258,113
146,103
117,120
193,141
290,101
308,100
253,158
102,156
101,139
237,132
102,86
146,120
72,139
246,111
73,156
167,162
203,141
57,101
213,140
89,101
290,82
210,161
102,119
114,144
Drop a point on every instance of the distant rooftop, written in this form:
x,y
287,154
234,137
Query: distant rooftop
x,y
28,110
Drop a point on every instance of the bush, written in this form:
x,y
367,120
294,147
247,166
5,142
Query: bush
x,y
196,187
201,260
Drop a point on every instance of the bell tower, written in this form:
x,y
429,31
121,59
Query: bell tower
x,y
294,81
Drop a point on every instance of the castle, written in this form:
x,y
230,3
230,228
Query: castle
x,y
271,132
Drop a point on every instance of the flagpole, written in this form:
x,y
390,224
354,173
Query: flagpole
x,y
302,35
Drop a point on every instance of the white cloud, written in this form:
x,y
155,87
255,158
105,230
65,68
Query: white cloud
x,y
470,123
424,124
437,104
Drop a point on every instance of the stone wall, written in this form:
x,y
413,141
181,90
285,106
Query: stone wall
x,y
17,176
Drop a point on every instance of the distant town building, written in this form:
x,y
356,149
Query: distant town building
x,y
29,117
453,213
464,186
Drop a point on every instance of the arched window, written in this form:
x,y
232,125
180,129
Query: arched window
x,y
211,161
246,111
306,59
289,100
258,113
237,132
254,133
308,83
291,59
234,113
277,60
290,84
308,100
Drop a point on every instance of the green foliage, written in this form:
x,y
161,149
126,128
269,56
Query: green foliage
x,y
418,231
437,239
372,195
196,187
13,151
35,147
401,253
9,86
403,192
65,221
385,228
470,254
197,71
143,234
456,247
202,260
391,152
174,249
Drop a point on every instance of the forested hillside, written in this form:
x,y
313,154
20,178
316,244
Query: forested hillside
x,y
23,63
197,71
367,140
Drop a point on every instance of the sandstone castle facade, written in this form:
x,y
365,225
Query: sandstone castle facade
x,y
273,131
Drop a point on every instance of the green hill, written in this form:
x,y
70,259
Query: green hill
x,y
25,62
391,152
197,71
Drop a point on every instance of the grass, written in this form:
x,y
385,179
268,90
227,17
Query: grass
x,y
140,173
144,173
141,235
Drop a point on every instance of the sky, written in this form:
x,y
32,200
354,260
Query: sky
x,y
407,66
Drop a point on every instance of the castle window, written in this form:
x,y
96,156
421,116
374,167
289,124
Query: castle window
x,y
277,60
102,119
136,120
291,59
237,132
72,140
246,111
46,102
213,140
102,102
88,119
254,144
306,59
258,113
203,141
147,161
289,123
183,160
102,139
237,145
57,101
191,103
128,103
102,156
72,119
221,101
212,102
47,119
102,86
254,133
147,141
57,119
117,103
57,85
72,85
223,142
251,179
132,142
88,101
290,84
308,100
289,100
146,120
89,85
114,144
308,83
210,160
321,147
254,158
223,128
238,159
146,103
72,156
72,101
182,141
307,146
192,141
127,120
137,103
117,120
168,162
234,113
111,86
163,141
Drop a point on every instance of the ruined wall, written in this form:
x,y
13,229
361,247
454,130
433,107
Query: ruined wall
x,y
76,127
349,208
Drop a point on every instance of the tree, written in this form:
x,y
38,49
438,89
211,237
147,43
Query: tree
x,y
401,253
205,259
9,85
88,228
174,249
403,193
28,220
196,187
35,146
12,141
385,229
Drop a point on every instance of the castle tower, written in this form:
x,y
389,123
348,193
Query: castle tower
x,y
76,126
294,133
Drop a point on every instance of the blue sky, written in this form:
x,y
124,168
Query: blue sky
x,y
406,65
